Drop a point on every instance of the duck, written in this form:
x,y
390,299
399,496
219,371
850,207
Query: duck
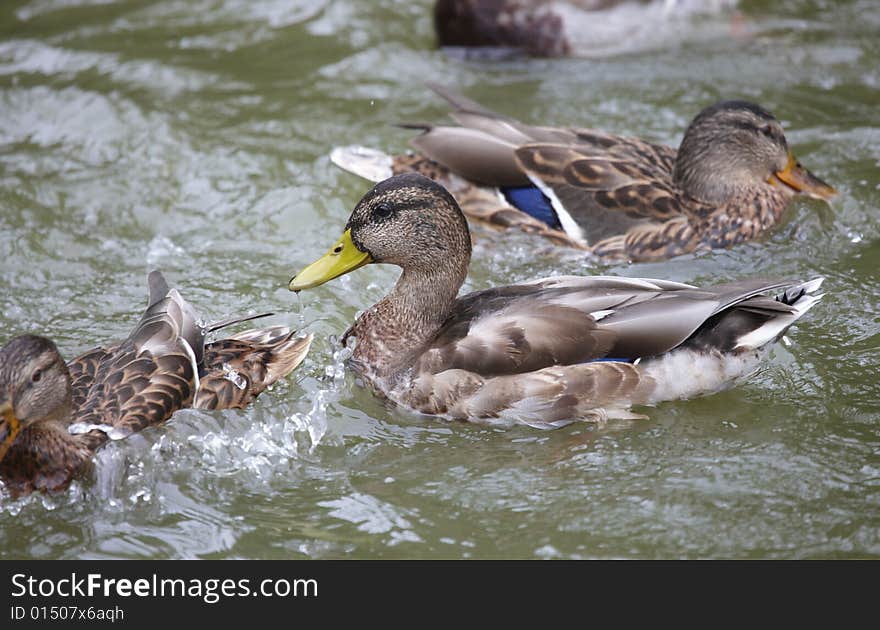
x,y
543,353
55,415
499,29
619,198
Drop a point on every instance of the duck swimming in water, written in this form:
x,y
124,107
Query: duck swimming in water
x,y
543,353
54,415
621,198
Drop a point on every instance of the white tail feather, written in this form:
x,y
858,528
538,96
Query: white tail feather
x,y
371,164
776,326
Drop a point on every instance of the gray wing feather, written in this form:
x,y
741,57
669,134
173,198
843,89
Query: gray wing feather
x,y
572,320
473,154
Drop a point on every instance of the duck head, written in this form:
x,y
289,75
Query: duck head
x,y
34,386
408,221
737,147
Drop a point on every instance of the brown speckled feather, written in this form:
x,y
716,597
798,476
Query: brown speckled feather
x,y
45,457
241,367
150,375
606,195
82,372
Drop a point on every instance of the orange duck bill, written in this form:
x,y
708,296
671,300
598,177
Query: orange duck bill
x,y
801,180
9,427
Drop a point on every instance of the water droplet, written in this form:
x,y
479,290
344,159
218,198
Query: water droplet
x,y
297,296
230,374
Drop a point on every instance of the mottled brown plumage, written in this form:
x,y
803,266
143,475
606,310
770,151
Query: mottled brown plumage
x,y
56,415
617,197
543,353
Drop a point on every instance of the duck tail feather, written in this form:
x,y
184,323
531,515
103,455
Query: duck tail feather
x,y
158,287
462,103
371,164
801,297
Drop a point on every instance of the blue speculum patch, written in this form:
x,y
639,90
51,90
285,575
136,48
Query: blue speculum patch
x,y
533,202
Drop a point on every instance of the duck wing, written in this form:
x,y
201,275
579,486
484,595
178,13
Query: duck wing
x,y
570,320
483,148
605,183
239,368
82,373
600,185
144,379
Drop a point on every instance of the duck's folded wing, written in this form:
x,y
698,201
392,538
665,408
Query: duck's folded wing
x,y
571,320
522,328
82,373
600,185
134,389
147,377
519,337
483,148
477,366
473,154
606,184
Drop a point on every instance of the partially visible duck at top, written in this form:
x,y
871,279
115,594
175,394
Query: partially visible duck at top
x,y
546,352
619,197
580,28
54,416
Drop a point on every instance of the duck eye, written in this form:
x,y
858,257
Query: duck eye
x,y
767,130
36,376
383,210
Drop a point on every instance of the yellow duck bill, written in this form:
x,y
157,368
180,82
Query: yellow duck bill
x,y
803,181
342,258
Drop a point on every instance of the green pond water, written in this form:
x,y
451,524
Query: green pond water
x,y
194,137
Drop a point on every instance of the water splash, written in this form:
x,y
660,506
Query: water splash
x,y
232,375
162,247
314,421
372,515
114,433
203,325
